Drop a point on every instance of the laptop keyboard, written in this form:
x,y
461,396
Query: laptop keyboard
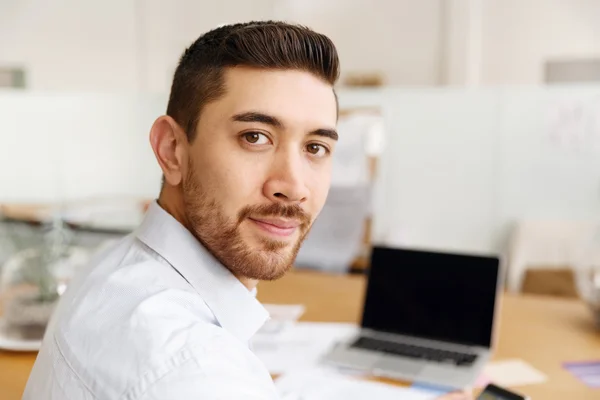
x,y
412,351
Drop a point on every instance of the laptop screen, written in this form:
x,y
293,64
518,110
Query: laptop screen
x,y
447,297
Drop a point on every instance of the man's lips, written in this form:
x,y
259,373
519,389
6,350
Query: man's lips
x,y
277,226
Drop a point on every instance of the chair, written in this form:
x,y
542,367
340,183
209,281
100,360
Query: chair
x,y
546,255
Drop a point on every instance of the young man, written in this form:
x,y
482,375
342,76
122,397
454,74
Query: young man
x,y
245,149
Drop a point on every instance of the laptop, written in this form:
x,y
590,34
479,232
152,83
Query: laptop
x,y
428,317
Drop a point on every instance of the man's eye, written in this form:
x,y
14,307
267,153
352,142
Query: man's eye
x,y
256,138
317,149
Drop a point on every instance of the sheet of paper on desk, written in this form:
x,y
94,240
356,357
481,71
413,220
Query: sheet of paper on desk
x,y
513,373
327,384
299,345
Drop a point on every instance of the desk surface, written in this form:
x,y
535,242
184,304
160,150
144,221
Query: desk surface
x,y
543,331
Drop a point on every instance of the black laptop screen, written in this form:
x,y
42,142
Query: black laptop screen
x,y
431,295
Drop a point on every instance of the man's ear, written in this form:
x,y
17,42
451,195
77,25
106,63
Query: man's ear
x,y
169,144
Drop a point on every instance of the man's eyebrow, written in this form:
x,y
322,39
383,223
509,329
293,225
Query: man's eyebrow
x,y
329,133
262,118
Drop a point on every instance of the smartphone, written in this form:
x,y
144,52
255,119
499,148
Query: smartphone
x,y
493,392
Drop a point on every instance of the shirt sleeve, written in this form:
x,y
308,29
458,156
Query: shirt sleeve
x,y
190,382
213,377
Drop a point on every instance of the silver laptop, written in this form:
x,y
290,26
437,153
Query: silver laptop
x,y
428,317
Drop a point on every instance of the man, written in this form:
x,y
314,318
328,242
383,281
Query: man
x,y
245,149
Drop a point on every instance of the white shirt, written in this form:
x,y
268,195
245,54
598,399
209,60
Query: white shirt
x,y
155,317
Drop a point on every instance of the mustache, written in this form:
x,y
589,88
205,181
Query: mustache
x,y
293,211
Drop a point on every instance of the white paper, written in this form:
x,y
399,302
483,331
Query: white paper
x,y
327,384
573,125
336,237
350,163
513,373
299,346
361,136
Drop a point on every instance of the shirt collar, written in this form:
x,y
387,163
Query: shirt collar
x,y
235,307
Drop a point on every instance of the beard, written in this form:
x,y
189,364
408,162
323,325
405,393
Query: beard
x,y
222,237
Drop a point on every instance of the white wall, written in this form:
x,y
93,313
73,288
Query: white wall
x,y
109,45
171,26
124,45
400,38
520,35
70,44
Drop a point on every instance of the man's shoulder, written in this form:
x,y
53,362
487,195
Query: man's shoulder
x,y
143,320
129,315
131,321
129,288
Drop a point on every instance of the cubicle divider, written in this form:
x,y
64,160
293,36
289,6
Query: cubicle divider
x,y
459,167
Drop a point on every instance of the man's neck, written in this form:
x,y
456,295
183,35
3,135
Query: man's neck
x,y
173,204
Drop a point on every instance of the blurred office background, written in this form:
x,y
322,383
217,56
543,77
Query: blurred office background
x,y
467,125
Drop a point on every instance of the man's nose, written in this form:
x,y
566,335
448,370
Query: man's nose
x,y
287,182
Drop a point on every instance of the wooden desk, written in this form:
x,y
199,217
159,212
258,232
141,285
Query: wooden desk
x,y
542,331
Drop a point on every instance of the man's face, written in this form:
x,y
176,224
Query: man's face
x,y
259,168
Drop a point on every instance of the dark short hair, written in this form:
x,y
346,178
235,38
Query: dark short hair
x,y
275,45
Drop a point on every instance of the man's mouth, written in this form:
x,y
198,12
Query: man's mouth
x,y
277,226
